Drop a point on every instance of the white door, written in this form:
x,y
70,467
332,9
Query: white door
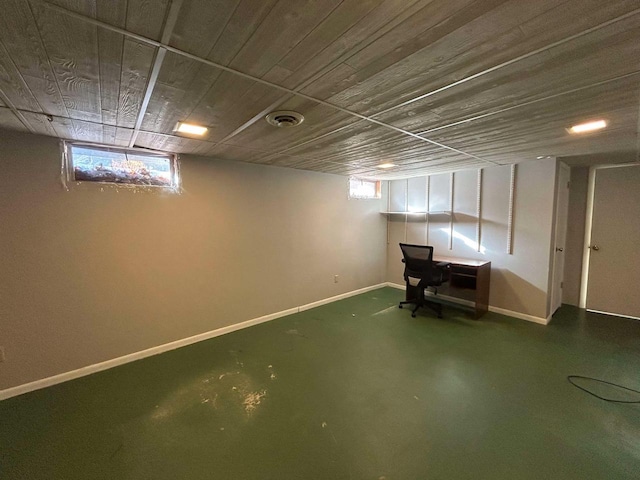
x,y
614,257
562,206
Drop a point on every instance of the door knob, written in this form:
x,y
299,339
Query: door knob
x,y
559,249
595,247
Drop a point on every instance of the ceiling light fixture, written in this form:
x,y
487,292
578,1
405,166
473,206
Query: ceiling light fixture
x,y
588,127
190,129
384,166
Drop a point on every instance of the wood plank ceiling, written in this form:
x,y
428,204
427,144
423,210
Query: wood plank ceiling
x,y
430,85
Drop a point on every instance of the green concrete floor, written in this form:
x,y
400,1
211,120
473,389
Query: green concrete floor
x,y
352,390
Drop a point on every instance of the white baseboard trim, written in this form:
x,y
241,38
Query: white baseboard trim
x,y
521,316
613,314
342,296
501,311
98,367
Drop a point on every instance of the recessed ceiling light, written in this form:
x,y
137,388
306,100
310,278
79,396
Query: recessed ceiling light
x,y
588,127
543,157
387,165
190,129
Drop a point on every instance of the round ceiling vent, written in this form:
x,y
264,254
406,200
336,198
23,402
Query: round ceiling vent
x,y
285,118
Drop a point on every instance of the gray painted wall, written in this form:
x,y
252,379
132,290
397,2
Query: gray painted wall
x,y
575,235
91,275
519,281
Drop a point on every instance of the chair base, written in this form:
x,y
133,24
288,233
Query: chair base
x,y
436,307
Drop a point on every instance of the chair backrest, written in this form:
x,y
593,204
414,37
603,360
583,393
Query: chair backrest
x,y
418,260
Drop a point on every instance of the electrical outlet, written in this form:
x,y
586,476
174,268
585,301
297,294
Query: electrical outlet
x,y
1,354
335,278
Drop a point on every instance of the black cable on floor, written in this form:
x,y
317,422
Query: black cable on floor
x,y
571,377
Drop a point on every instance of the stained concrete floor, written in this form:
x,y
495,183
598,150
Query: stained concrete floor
x,y
352,390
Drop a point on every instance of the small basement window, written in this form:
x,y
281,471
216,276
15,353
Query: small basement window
x,y
88,163
359,188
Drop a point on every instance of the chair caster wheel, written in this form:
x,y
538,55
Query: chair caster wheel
x,y
399,306
413,315
439,316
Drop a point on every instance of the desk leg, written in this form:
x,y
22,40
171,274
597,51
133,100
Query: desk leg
x,y
483,280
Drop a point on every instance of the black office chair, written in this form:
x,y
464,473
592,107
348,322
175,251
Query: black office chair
x,y
419,265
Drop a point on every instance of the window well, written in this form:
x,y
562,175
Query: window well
x,y
120,166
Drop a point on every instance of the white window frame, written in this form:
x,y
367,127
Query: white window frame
x,y
68,171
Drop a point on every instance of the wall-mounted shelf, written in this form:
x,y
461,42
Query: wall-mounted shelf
x,y
441,212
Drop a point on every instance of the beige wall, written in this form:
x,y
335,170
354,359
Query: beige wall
x,y
90,275
519,281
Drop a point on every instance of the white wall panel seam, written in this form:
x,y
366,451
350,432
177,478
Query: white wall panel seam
x,y
451,186
427,209
406,208
479,212
512,194
388,209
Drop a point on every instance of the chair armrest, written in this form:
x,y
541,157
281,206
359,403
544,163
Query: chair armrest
x,y
443,264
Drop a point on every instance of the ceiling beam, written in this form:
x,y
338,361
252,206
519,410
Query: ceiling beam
x,y
151,84
398,19
371,119
257,117
18,112
446,87
252,78
284,152
510,62
321,102
170,23
477,117
531,102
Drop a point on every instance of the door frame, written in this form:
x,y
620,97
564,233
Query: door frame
x,y
561,189
586,247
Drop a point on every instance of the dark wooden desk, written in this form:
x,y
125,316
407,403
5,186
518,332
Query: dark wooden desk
x,y
469,281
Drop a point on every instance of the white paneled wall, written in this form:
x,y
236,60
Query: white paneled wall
x,y
502,214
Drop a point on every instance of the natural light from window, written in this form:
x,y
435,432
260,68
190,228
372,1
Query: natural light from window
x,y
125,167
359,188
466,240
